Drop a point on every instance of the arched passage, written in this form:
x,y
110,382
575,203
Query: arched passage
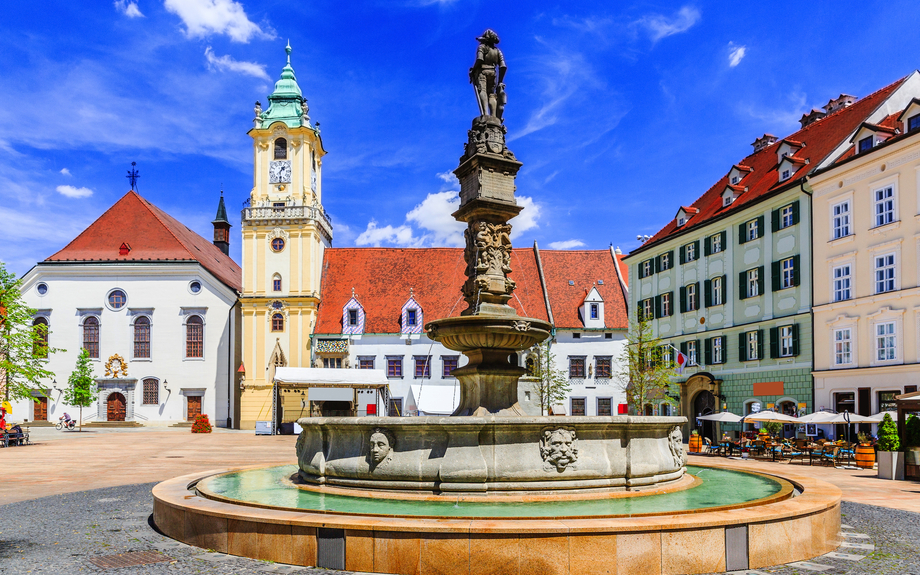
x,y
115,407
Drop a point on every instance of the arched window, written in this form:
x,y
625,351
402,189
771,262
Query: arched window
x,y
40,343
151,391
280,149
649,410
194,337
531,365
91,336
276,282
142,338
277,322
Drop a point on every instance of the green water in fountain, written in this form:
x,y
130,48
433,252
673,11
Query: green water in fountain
x,y
269,486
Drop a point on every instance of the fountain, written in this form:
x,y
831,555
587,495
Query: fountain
x,y
490,489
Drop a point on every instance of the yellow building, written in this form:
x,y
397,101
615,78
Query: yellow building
x,y
285,231
866,218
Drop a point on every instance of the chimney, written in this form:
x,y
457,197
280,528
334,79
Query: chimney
x,y
811,117
763,141
840,102
222,227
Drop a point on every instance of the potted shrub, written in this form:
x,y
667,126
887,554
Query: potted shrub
x,y
865,453
890,460
201,425
763,435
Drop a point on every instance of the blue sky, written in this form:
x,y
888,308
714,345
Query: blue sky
x,y
620,111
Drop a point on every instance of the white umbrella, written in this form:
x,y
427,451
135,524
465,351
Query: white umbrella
x,y
878,417
817,417
771,416
723,417
839,418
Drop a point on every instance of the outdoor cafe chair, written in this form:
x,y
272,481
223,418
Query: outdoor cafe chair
x,y
831,455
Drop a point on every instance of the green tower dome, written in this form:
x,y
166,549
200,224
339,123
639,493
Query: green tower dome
x,y
286,103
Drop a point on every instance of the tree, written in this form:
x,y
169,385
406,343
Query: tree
x,y
23,346
552,385
644,368
888,439
81,387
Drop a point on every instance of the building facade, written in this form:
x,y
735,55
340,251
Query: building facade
x,y
154,304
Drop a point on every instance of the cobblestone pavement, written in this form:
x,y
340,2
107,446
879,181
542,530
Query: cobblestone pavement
x,y
62,533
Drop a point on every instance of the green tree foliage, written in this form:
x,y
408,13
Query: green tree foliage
x,y
23,353
644,370
552,385
888,435
912,430
773,427
81,387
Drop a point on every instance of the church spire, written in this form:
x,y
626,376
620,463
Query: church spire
x,y
222,227
286,103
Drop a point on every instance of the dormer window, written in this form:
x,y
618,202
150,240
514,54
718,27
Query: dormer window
x,y
784,176
592,310
681,221
353,317
411,317
595,311
280,149
913,123
727,200
684,214
735,179
866,144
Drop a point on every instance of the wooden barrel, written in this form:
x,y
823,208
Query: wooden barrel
x,y
696,443
865,456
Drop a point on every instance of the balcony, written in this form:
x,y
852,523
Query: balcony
x,y
267,214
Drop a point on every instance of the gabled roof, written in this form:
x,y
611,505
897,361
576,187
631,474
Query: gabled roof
x,y
153,235
583,269
819,138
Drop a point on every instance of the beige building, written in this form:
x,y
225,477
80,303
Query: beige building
x,y
285,231
866,221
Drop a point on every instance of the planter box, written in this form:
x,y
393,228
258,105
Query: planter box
x,y
890,465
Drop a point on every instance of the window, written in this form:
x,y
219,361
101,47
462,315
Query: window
x,y
91,336
715,244
646,309
117,299
690,252
884,273
887,401
576,335
604,406
865,144
576,368
842,283
785,217
753,230
785,175
788,273
884,206
151,391
608,336
276,283
692,355
718,355
753,282
665,410
842,346
449,363
142,338
752,345
332,362
665,304
693,298
727,200
41,288
277,322
578,406
681,221
913,123
194,337
277,244
665,355
645,268
280,149
366,362
885,342
395,407
750,230
841,219
785,341
394,367
422,366
595,311
40,342
664,262
352,317
411,317
735,180
602,369
716,287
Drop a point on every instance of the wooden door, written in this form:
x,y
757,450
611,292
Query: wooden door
x,y
194,407
116,407
40,409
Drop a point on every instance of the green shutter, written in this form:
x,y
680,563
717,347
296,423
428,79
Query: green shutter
x,y
683,299
742,349
698,295
671,297
707,246
795,212
656,311
742,236
683,254
696,250
795,270
657,266
724,284
707,287
707,350
795,339
776,269
724,240
774,218
774,342
742,285
759,344
760,229
683,347
760,280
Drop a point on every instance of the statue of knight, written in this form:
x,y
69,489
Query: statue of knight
x,y
490,94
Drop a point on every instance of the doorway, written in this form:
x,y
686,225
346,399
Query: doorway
x,y
115,407
193,407
40,409
704,404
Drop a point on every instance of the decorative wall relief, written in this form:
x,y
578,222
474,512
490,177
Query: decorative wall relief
x,y
559,449
676,445
488,253
382,443
116,367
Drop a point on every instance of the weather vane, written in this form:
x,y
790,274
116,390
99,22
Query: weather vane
x,y
133,176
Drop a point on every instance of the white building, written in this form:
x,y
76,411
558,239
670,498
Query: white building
x,y
146,295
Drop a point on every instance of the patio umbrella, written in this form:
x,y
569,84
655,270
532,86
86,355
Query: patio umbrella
x,y
771,416
723,417
878,417
817,417
839,418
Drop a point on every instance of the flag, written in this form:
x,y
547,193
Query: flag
x,y
681,362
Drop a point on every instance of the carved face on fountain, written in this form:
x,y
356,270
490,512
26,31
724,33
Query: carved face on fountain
x,y
381,446
558,449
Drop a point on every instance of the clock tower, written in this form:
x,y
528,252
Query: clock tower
x,y
285,230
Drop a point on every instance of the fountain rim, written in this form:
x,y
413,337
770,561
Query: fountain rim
x,y
585,421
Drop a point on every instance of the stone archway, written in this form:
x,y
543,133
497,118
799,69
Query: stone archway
x,y
704,404
115,407
690,389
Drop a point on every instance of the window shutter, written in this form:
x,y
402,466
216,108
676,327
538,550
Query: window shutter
x,y
698,294
724,240
724,283
795,339
774,342
706,291
639,271
671,259
742,350
698,351
760,228
742,236
776,270
707,350
671,311
657,264
760,280
656,312
795,213
759,344
683,347
683,299
696,249
795,270
683,254
707,246
774,217
742,285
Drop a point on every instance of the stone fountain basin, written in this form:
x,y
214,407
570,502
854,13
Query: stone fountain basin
x,y
491,454
488,332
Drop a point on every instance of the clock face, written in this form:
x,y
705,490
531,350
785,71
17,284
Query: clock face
x,y
279,172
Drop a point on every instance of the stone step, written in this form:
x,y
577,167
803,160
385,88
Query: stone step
x,y
113,424
38,424
182,424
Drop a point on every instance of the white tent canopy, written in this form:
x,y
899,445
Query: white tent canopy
x,y
723,417
325,376
839,418
817,417
771,416
433,399
878,417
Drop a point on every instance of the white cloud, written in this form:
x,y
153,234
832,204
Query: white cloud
x,y
129,9
566,245
736,54
447,177
226,63
660,26
527,219
434,216
65,172
72,192
374,236
204,17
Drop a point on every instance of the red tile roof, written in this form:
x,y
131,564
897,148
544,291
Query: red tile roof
x,y
153,235
584,268
820,138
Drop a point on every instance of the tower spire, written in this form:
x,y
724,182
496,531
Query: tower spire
x,y
222,226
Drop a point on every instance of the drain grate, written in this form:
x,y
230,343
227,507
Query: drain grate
x,y
128,559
